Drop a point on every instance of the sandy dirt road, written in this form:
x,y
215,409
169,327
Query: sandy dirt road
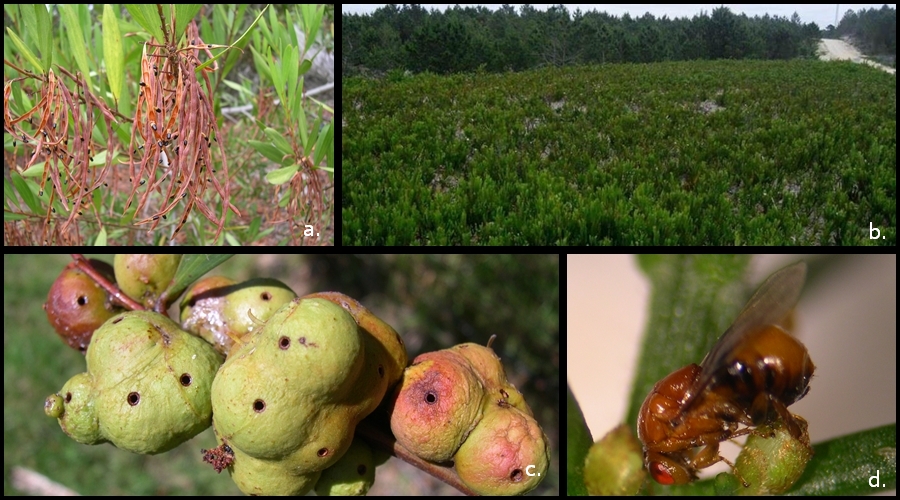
x,y
830,49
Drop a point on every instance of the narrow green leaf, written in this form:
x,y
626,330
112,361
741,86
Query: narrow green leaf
x,y
9,194
254,228
322,104
183,15
262,67
578,442
128,216
239,88
330,167
101,238
264,233
36,170
291,57
312,19
304,129
296,99
98,199
323,145
276,69
278,38
28,196
268,150
293,35
72,27
305,66
232,240
279,141
45,34
313,134
112,52
282,175
29,24
191,268
9,217
25,51
147,17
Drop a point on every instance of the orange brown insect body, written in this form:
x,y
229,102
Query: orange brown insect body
x,y
753,373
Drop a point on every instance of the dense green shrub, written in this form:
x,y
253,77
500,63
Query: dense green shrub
x,y
687,153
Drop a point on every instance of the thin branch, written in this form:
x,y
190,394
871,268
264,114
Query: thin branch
x,y
377,436
117,295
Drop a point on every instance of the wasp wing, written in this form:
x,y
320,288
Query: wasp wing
x,y
770,305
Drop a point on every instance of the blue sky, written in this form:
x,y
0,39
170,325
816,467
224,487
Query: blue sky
x,y
821,14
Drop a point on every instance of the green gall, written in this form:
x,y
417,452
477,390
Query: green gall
x,y
615,464
146,389
391,344
487,366
253,302
145,277
53,406
288,399
222,312
353,474
773,460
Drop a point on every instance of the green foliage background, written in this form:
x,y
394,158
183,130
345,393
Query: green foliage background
x,y
682,153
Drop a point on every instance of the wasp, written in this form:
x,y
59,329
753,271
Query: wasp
x,y
752,374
